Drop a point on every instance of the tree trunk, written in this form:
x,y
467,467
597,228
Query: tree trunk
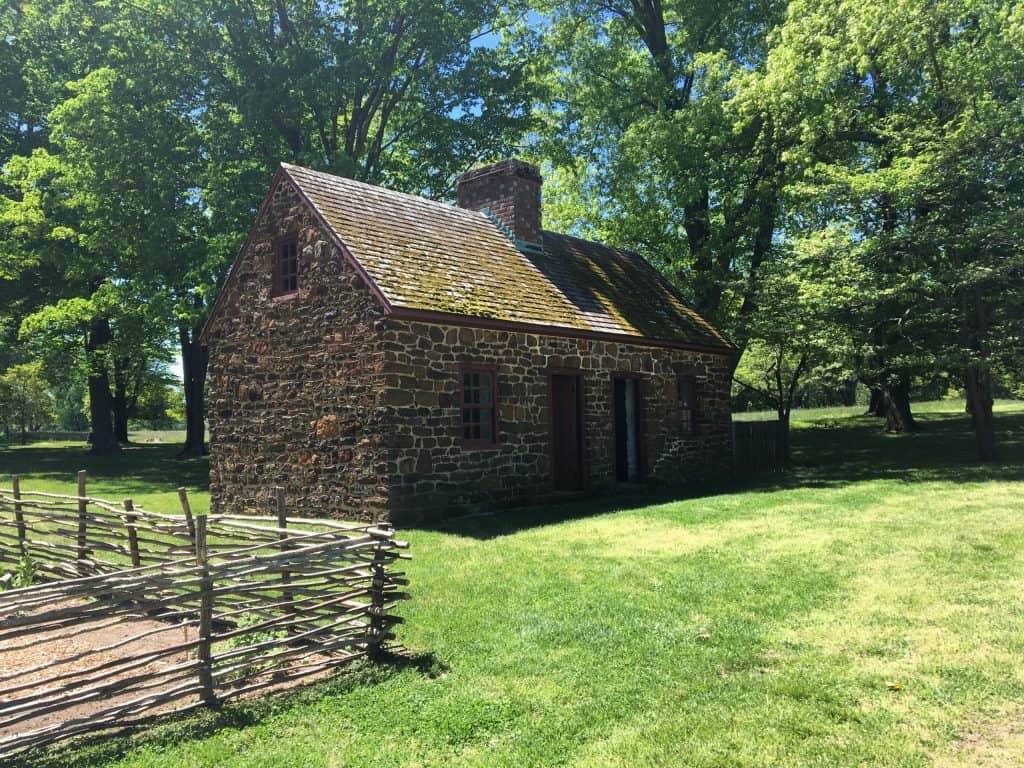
x,y
707,289
978,379
898,417
849,392
119,403
120,412
102,436
194,359
979,395
876,405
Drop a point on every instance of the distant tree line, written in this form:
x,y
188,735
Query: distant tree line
x,y
837,184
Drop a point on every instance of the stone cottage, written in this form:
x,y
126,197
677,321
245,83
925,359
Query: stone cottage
x,y
384,355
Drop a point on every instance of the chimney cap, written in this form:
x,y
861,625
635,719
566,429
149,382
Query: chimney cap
x,y
509,167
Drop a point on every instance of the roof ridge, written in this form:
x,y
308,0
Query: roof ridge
x,y
385,191
584,240
600,244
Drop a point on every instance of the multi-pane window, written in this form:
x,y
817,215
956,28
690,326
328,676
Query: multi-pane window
x,y
688,404
286,267
479,411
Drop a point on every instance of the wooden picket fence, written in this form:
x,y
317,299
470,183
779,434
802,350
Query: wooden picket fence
x,y
239,604
756,448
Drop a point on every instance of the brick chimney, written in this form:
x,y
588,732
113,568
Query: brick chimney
x,y
509,192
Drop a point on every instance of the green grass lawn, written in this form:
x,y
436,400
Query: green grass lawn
x,y
865,610
813,415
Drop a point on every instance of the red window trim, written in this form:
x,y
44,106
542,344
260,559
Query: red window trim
x,y
492,370
276,291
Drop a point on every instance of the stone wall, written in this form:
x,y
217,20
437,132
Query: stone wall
x,y
431,474
294,382
357,414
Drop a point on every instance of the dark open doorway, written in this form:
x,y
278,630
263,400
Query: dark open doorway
x,y
567,432
627,408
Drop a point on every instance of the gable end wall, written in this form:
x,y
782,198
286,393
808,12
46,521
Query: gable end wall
x,y
295,383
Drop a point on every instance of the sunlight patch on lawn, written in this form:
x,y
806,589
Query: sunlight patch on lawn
x,y
625,536
908,629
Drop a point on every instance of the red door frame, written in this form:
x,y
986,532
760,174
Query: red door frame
x,y
581,400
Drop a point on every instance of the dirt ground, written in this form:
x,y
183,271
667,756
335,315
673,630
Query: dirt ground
x,y
20,658
58,644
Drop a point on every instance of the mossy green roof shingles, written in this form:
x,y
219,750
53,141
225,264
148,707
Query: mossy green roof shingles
x,y
422,254
618,292
425,255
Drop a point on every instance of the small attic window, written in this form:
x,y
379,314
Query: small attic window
x,y
286,267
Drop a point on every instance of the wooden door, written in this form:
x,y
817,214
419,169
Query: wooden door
x,y
627,414
566,433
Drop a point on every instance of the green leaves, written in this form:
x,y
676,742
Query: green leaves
x,y
905,116
387,92
656,112
25,398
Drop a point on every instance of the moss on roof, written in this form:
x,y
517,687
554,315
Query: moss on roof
x,y
426,255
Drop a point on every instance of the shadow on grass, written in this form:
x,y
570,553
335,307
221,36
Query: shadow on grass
x,y
146,467
160,732
828,453
835,453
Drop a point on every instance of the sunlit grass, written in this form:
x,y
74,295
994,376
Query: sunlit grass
x,y
865,610
148,474
811,415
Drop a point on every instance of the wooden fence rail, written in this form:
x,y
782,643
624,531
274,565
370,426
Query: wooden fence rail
x,y
757,446
178,611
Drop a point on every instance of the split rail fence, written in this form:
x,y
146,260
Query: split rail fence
x,y
193,610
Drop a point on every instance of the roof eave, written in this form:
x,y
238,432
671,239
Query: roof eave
x,y
491,323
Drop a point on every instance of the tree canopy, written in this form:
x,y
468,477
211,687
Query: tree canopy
x,y
838,185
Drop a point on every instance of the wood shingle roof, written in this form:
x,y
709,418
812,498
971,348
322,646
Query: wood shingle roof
x,y
426,256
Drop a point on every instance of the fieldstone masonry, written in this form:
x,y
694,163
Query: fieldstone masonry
x,y
295,382
356,413
430,472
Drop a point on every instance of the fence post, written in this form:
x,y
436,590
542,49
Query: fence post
x,y
204,649
286,576
19,515
133,535
377,626
82,512
189,520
